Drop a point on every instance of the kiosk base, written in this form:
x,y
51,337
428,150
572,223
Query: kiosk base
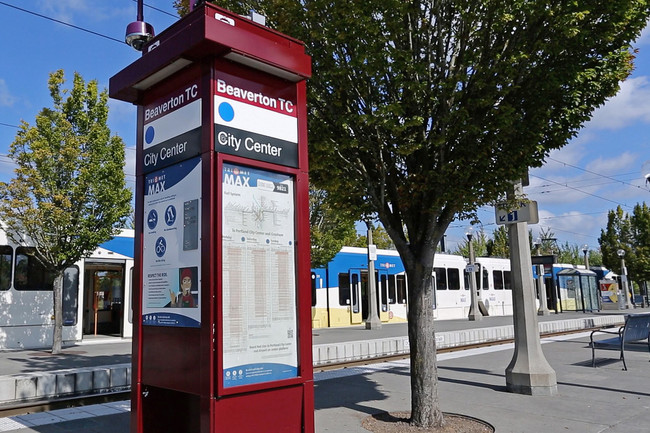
x,y
164,410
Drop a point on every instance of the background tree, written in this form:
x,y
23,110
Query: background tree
x,y
499,245
330,229
69,193
631,233
379,237
640,225
616,235
420,112
479,243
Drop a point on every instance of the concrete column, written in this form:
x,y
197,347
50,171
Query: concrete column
x,y
541,291
474,313
372,322
529,372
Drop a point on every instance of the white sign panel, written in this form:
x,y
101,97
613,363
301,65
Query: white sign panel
x,y
527,212
254,125
171,129
259,307
171,261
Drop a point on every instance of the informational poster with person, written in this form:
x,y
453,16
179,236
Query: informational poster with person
x,y
258,272
172,255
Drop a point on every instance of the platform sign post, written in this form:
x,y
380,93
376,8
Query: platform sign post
x,y
222,289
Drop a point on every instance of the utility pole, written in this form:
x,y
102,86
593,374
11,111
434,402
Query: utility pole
x,y
529,372
474,313
372,322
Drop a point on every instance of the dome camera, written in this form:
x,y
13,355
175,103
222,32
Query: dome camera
x,y
138,33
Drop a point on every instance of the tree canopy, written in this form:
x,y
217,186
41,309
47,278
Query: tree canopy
x,y
69,193
422,111
630,233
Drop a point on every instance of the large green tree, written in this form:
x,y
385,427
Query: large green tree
x,y
630,233
499,245
329,228
69,192
421,111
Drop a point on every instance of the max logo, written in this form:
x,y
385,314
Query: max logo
x,y
156,185
237,180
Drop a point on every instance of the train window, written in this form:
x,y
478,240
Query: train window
x,y
506,280
392,293
441,278
453,278
5,266
498,280
486,283
70,295
29,273
313,289
355,292
344,289
383,290
400,282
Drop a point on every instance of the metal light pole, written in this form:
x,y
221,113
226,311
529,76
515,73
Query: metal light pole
x,y
474,313
624,301
541,291
585,250
372,322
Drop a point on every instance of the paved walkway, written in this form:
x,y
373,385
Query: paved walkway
x,y
471,382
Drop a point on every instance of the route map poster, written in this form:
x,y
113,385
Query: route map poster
x,y
258,276
171,261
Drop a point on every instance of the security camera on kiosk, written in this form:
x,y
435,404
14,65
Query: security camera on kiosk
x,y
138,33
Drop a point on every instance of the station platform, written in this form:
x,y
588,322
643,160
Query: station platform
x,y
472,382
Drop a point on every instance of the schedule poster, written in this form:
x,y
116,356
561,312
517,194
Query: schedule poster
x,y
171,260
258,273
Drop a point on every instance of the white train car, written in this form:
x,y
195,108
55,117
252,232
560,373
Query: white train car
x,y
494,286
339,290
96,295
452,298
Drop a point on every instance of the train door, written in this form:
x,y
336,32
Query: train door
x,y
356,312
382,294
103,298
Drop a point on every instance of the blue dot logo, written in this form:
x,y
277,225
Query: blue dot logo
x,y
149,135
226,112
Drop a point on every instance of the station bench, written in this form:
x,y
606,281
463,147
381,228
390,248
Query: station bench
x,y
636,329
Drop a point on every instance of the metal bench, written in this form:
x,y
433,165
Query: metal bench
x,y
635,329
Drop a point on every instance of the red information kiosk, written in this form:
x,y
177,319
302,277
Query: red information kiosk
x,y
222,320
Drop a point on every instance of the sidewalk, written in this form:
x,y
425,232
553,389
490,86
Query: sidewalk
x,y
472,382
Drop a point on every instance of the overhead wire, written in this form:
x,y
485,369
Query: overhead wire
x,y
62,22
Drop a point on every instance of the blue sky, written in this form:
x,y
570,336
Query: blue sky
x,y
598,170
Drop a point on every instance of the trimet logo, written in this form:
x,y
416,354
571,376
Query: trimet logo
x,y
156,184
235,176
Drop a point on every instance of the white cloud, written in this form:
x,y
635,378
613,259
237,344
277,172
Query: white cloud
x,y
644,39
630,105
575,227
67,10
6,98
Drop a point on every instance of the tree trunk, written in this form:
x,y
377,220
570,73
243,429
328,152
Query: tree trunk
x,y
57,338
425,404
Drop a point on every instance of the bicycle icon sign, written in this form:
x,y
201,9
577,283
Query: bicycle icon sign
x,y
161,246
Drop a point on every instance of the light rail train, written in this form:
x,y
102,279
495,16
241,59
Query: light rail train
x,y
340,290
96,295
